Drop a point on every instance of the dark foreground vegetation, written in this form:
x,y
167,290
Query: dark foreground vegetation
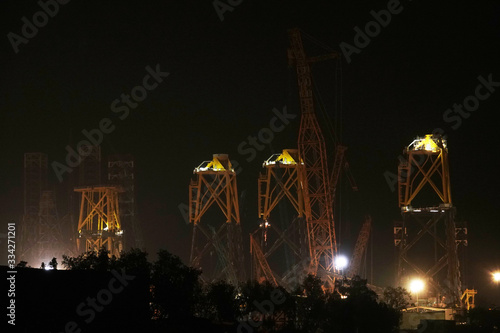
x,y
97,293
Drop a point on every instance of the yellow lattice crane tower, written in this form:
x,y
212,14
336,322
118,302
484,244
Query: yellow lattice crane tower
x,y
282,179
215,182
99,223
312,150
426,237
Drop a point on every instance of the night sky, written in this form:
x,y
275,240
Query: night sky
x,y
226,77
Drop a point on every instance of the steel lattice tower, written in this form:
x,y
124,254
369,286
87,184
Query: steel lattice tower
x,y
99,223
90,167
51,242
282,178
215,182
35,181
424,179
312,150
121,172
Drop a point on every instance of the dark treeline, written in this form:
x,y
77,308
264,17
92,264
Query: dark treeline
x,y
100,293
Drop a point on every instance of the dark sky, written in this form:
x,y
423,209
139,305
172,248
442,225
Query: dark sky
x,y
225,79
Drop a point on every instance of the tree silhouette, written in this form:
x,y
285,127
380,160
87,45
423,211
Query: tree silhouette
x,y
99,261
397,298
53,263
176,289
358,310
311,303
22,264
221,302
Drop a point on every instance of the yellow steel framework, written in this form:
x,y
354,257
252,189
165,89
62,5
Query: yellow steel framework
x,y
282,178
468,298
121,173
423,178
99,223
215,182
427,164
312,150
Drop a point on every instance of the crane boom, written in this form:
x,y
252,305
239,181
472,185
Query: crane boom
x,y
260,261
337,168
311,143
360,247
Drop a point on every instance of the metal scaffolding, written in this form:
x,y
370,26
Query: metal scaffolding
x,y
426,237
35,181
282,178
51,242
121,173
215,182
99,224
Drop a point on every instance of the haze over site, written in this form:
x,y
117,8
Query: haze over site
x,y
422,70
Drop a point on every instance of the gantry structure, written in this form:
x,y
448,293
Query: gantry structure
x,y
35,182
426,237
121,173
41,235
99,224
282,179
51,242
216,245
318,200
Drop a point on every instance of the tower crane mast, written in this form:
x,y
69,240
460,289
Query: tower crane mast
x,y
311,143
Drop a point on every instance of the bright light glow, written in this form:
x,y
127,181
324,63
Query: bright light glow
x,y
427,143
416,286
496,276
341,262
48,268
